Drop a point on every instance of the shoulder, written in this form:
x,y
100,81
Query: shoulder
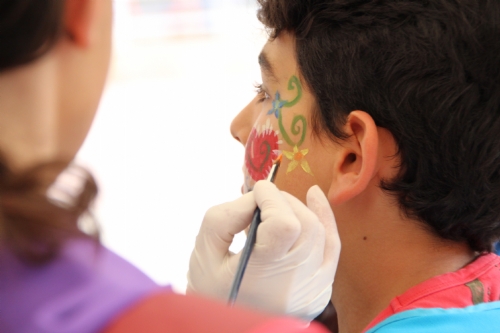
x,y
478,282
162,312
79,291
481,318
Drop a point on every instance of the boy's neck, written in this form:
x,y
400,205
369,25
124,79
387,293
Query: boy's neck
x,y
383,255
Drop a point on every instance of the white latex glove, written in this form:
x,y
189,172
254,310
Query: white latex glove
x,y
293,263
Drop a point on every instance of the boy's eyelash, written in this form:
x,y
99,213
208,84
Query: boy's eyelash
x,y
258,88
261,92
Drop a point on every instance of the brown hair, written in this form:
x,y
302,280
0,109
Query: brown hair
x,y
32,224
28,29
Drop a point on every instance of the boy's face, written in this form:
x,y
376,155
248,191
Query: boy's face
x,y
278,121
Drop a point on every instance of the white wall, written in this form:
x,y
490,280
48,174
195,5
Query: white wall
x,y
160,145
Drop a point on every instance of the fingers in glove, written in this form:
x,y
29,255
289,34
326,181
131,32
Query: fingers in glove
x,y
222,222
318,203
279,228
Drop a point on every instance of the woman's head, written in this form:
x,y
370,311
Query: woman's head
x,y
54,58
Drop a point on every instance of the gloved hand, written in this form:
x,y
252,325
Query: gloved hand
x,y
293,263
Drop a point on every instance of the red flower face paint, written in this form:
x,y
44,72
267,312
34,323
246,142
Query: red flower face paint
x,y
261,150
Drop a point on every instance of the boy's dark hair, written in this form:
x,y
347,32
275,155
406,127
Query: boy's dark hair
x,y
427,71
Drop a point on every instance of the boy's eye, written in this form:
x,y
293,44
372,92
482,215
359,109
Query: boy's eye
x,y
261,92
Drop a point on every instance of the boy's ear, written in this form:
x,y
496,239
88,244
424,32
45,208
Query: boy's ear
x,y
78,19
356,159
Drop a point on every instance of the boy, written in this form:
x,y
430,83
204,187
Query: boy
x,y
393,109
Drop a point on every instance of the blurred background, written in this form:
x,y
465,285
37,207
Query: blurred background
x,y
160,145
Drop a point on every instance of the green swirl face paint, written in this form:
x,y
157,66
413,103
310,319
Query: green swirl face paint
x,y
296,134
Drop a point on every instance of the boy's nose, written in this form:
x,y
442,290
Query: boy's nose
x,y
242,124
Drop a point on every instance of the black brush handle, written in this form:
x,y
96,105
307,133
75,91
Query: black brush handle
x,y
245,256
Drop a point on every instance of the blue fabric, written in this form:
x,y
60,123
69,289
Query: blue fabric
x,y
497,248
481,318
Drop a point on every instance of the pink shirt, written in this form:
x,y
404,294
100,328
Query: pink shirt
x,y
478,282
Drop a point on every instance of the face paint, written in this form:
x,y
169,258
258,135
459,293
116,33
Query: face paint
x,y
298,128
262,149
263,142
297,157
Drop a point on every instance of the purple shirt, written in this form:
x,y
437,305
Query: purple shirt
x,y
80,291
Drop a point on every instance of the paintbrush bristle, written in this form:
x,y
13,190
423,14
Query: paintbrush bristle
x,y
274,169
278,159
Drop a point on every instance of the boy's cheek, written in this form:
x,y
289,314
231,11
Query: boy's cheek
x,y
248,183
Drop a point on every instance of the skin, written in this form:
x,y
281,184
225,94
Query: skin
x,y
257,113
383,252
46,109
47,106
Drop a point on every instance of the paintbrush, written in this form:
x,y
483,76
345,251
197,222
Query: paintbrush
x,y
250,242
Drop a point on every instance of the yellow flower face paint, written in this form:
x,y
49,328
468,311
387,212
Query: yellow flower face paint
x,y
296,158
